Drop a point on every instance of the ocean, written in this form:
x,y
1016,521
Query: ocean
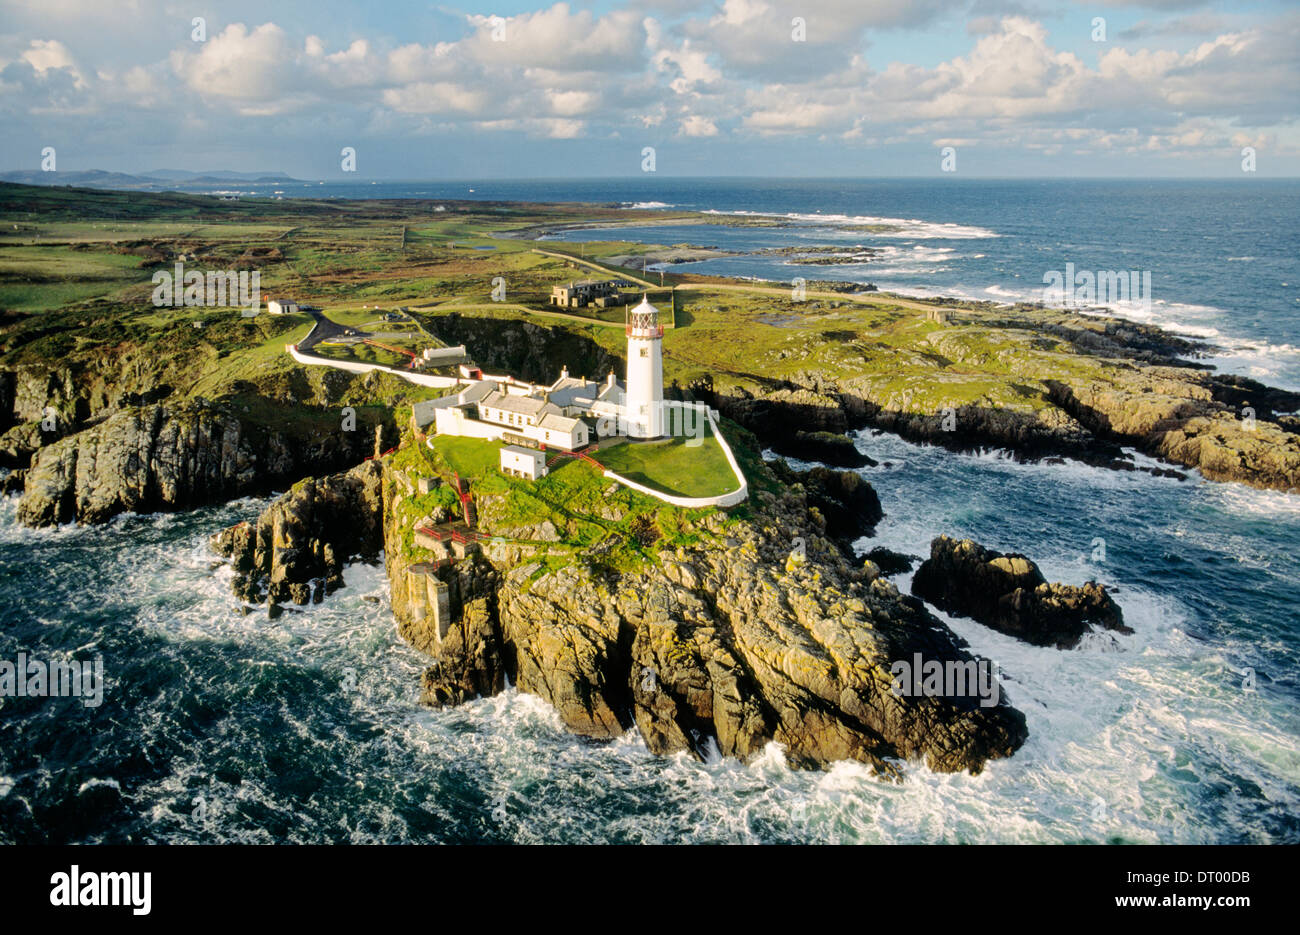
x,y
222,727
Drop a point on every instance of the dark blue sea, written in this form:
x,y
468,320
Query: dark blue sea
x,y
218,726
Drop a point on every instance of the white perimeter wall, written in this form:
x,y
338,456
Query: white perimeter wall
x,y
423,379
455,422
726,499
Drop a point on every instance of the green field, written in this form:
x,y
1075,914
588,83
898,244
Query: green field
x,y
75,288
673,466
36,278
469,457
591,513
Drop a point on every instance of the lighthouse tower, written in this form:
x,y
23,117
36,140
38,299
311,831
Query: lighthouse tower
x,y
645,372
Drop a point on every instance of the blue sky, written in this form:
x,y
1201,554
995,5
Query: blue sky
x,y
519,89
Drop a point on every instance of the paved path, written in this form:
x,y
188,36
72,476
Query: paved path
x,y
324,329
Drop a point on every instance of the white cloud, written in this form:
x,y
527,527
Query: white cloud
x,y
695,125
45,54
239,64
725,71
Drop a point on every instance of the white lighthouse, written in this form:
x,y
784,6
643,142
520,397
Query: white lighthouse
x,y
645,372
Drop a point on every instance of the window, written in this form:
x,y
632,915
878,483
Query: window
x,y
645,352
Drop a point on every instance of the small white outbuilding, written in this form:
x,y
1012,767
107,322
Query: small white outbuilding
x,y
518,461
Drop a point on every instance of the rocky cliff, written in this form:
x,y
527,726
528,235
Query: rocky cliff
x,y
762,630
1208,424
297,549
1046,385
172,457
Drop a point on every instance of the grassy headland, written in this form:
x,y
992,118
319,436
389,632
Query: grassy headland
x,y
80,333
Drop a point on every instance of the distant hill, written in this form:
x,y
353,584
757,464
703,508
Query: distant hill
x,y
160,180
182,175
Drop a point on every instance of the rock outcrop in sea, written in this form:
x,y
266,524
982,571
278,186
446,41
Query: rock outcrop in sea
x,y
1009,593
297,549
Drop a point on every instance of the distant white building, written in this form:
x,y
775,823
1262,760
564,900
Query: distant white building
x,y
281,306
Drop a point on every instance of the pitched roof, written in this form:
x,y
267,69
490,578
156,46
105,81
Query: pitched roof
x,y
558,423
566,390
425,411
476,391
527,405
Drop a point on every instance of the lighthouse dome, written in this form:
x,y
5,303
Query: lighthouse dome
x,y
643,321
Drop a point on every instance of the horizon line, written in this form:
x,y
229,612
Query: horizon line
x,y
647,176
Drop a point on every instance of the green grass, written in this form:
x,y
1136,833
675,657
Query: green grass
x,y
595,517
41,278
470,457
74,297
362,354
673,466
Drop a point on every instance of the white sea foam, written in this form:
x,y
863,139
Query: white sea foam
x,y
903,227
1276,363
1237,499
1142,723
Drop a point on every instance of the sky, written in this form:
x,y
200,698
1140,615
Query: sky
x,y
519,89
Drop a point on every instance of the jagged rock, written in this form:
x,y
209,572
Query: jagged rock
x,y
12,482
296,550
848,504
470,662
1191,423
1143,396
826,447
1008,593
570,647
166,458
19,443
888,561
688,689
722,646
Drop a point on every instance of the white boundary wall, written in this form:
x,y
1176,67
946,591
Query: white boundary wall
x,y
452,421
423,379
726,499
